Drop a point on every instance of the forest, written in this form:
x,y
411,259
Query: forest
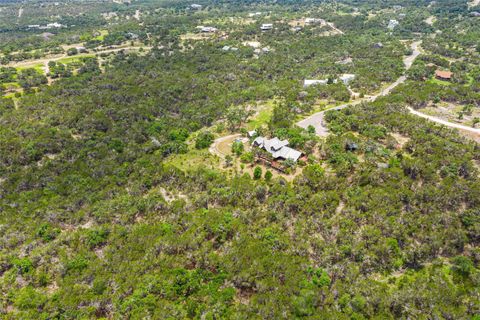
x,y
113,205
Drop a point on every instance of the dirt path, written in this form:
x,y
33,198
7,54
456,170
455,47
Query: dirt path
x,y
331,25
214,147
317,120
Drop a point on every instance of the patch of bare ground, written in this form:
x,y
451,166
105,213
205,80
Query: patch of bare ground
x,y
99,253
170,196
472,136
52,288
401,139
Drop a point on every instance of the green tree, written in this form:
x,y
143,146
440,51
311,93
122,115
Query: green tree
x,y
257,173
204,140
268,175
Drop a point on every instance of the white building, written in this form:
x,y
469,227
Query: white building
x,y
266,26
195,6
392,24
207,29
308,83
314,21
347,78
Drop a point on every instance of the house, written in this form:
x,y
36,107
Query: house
x,y
228,48
266,26
378,45
254,14
207,29
392,24
314,21
308,83
252,133
54,25
195,6
347,78
475,14
277,148
443,75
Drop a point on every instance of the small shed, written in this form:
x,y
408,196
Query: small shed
x,y
443,75
266,26
351,146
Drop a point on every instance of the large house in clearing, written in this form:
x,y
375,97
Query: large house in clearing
x,y
277,148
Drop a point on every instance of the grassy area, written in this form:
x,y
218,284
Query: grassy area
x,y
11,85
102,35
38,67
263,116
76,58
439,82
193,159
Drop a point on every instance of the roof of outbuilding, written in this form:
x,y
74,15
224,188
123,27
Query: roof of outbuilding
x,y
443,74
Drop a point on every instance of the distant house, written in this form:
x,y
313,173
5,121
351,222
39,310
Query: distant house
x,y
207,29
266,26
378,45
195,6
252,133
475,14
308,83
347,78
443,75
54,25
392,24
253,14
277,148
314,21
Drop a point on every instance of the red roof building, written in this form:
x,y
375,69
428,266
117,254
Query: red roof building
x,y
443,75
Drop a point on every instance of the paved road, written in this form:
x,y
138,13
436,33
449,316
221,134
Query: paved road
x,y
317,120
446,123
31,63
